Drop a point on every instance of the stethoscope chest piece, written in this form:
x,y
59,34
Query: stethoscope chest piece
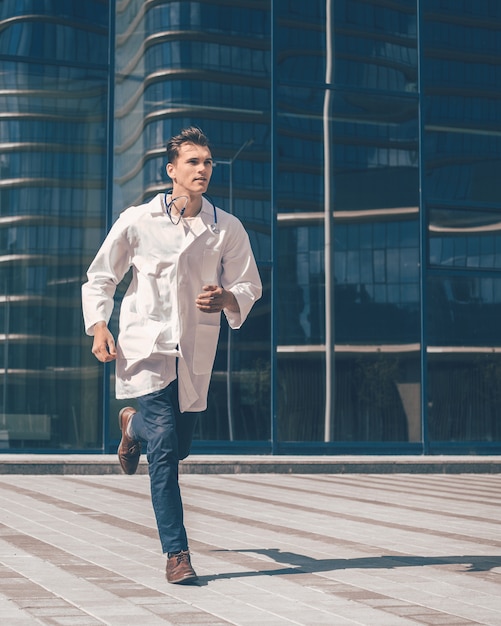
x,y
214,229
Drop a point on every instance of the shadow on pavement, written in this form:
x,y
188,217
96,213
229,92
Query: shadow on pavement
x,y
300,564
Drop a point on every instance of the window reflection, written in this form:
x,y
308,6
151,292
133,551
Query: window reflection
x,y
219,66
376,273
465,238
374,43
375,183
464,396
72,40
179,64
301,316
462,147
211,54
464,310
463,164
376,268
374,151
461,75
378,397
52,194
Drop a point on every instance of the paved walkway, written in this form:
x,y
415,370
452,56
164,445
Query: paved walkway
x,y
270,549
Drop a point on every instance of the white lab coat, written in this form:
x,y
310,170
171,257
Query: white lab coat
x,y
170,264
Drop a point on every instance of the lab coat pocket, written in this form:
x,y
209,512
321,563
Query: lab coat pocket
x,y
137,340
204,352
209,267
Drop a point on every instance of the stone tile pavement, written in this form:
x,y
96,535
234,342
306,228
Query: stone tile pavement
x,y
271,549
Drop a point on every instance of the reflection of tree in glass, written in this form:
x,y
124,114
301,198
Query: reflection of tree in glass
x,y
380,411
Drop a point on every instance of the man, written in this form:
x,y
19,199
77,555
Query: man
x,y
190,261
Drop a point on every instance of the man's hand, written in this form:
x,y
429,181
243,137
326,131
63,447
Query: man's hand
x,y
103,348
214,299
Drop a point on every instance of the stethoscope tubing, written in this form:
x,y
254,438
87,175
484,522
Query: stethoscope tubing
x,y
214,228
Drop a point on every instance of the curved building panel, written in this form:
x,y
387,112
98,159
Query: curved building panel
x,y
53,116
207,64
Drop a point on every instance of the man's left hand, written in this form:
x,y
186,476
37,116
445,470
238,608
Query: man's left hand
x,y
214,299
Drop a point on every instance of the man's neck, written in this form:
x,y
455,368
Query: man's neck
x,y
193,205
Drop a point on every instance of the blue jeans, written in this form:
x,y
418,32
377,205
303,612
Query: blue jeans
x,y
168,435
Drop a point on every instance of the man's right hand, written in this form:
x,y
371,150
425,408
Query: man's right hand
x,y
103,348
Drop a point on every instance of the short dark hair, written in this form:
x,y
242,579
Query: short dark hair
x,y
193,134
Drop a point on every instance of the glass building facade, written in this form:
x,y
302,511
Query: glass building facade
x,y
358,141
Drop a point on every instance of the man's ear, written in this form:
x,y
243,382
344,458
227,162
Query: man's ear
x,y
169,168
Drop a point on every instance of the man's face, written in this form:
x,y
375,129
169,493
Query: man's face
x,y
192,170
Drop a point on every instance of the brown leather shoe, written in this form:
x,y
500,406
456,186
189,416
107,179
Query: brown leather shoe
x,y
129,450
179,569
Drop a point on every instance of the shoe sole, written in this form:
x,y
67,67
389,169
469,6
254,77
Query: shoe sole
x,y
184,581
129,473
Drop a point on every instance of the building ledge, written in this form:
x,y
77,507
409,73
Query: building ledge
x,y
258,464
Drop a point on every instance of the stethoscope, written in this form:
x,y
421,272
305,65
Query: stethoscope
x,y
168,208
